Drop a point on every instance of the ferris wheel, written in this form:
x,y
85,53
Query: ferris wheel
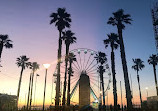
x,y
85,62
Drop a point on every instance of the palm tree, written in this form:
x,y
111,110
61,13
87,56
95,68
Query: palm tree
x,y
34,67
101,59
69,38
119,20
113,42
5,42
138,65
153,60
28,98
62,20
71,59
22,62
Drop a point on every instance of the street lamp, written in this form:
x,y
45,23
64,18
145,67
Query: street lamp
x,y
146,91
46,66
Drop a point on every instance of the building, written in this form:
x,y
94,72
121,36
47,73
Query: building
x,y
152,102
8,102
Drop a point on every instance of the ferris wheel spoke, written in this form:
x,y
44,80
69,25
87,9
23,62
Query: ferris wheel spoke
x,y
62,77
93,79
92,87
78,65
94,83
74,81
75,66
91,67
87,61
80,61
84,61
77,74
96,73
91,71
74,78
72,88
73,95
62,67
62,72
94,76
90,63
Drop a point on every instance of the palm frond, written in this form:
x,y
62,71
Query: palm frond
x,y
153,59
112,41
138,64
34,66
120,19
61,19
71,57
22,61
68,37
101,58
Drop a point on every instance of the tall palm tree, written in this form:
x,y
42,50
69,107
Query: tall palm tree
x,y
138,65
5,42
153,60
113,42
34,67
69,39
119,20
71,59
62,20
28,98
22,62
101,60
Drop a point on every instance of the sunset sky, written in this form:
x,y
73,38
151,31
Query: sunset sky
x,y
27,24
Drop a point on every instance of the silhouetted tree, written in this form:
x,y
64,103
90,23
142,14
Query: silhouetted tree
x,y
113,42
118,20
71,59
22,62
69,39
138,65
101,60
153,60
34,67
28,98
5,42
62,20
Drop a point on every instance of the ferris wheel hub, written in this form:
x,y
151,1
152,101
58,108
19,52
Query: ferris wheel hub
x,y
83,72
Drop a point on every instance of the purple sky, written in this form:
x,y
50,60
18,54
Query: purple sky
x,y
27,24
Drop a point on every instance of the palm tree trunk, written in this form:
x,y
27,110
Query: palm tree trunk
x,y
125,71
102,87
66,62
140,94
22,69
44,89
68,91
114,78
31,89
29,92
1,49
155,79
58,73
